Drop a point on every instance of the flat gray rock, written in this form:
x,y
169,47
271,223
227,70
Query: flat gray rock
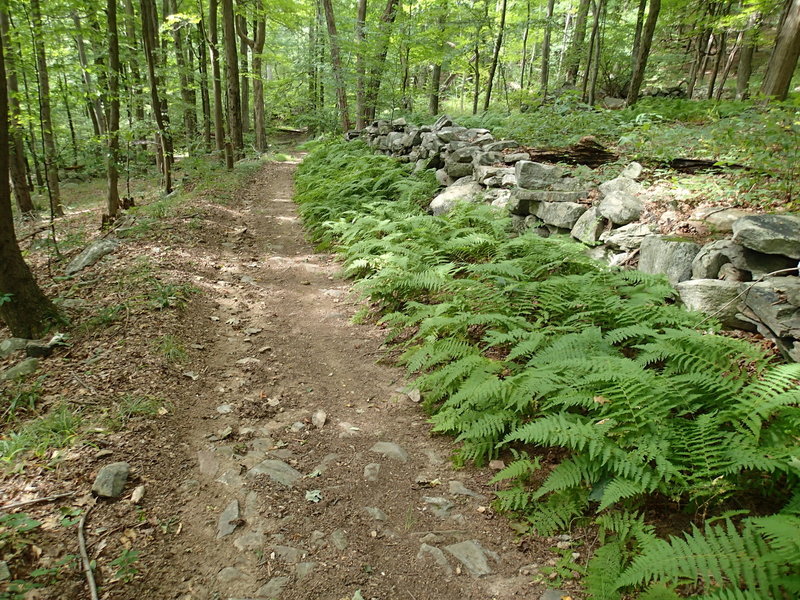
x,y
459,489
375,514
11,345
21,369
273,588
621,184
668,256
278,471
390,450
632,171
252,540
229,519
621,207
589,227
563,215
473,556
288,554
91,254
304,569
110,481
627,237
372,471
438,556
712,297
455,194
770,234
534,176
339,538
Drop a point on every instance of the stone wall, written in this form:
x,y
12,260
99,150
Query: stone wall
x,y
748,278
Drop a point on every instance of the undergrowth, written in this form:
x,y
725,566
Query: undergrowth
x,y
520,344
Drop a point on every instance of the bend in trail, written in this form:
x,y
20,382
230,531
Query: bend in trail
x,y
299,467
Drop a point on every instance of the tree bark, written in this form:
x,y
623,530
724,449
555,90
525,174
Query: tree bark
x,y
644,51
149,28
205,100
361,59
23,307
135,84
93,104
257,47
113,110
745,67
232,69
548,30
336,63
184,76
45,113
212,40
576,47
243,74
498,44
16,148
785,52
712,82
376,69
525,35
637,34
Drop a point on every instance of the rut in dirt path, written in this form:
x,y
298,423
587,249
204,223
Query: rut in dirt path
x,y
309,473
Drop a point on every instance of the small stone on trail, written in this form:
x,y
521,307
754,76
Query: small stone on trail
x,y
191,375
371,471
414,395
273,588
390,450
319,418
26,367
111,479
225,409
137,495
228,520
11,345
103,453
253,330
437,555
473,556
304,569
555,595
376,513
348,429
497,465
252,540
220,435
458,489
278,471
339,539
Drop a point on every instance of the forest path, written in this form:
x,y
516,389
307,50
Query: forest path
x,y
270,503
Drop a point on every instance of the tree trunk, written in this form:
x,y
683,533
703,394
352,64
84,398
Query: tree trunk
x,y
548,29
135,84
600,18
93,104
16,149
336,63
50,153
113,110
476,76
243,73
23,307
637,34
257,47
576,47
436,82
745,68
378,62
361,50
211,39
496,55
712,82
160,113
644,51
184,75
785,52
525,35
232,70
729,64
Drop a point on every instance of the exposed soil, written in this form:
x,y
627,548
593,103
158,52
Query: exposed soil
x,y
271,344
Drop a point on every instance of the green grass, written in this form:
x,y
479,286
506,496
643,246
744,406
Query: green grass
x,y
56,429
171,348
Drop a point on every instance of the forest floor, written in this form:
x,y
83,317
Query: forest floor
x,y
279,455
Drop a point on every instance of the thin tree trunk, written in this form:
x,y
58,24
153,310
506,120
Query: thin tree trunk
x,y
476,76
745,67
148,11
496,55
548,29
361,50
135,84
243,73
525,35
312,65
576,47
336,63
232,69
785,53
93,104
212,40
637,34
205,100
184,74
62,86
721,42
24,308
644,51
113,110
50,152
601,12
436,82
378,62
257,47
729,64
16,148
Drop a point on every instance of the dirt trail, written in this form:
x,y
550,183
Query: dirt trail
x,y
268,504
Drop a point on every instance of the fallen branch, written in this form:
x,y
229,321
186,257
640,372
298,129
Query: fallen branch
x,y
8,507
87,565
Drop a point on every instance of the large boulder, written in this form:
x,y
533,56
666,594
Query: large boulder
x,y
717,218
716,254
535,176
451,134
563,215
770,234
621,207
483,173
441,122
776,303
713,297
456,193
627,237
668,256
621,184
91,254
589,227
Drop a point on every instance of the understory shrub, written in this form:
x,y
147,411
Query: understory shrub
x,y
519,344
